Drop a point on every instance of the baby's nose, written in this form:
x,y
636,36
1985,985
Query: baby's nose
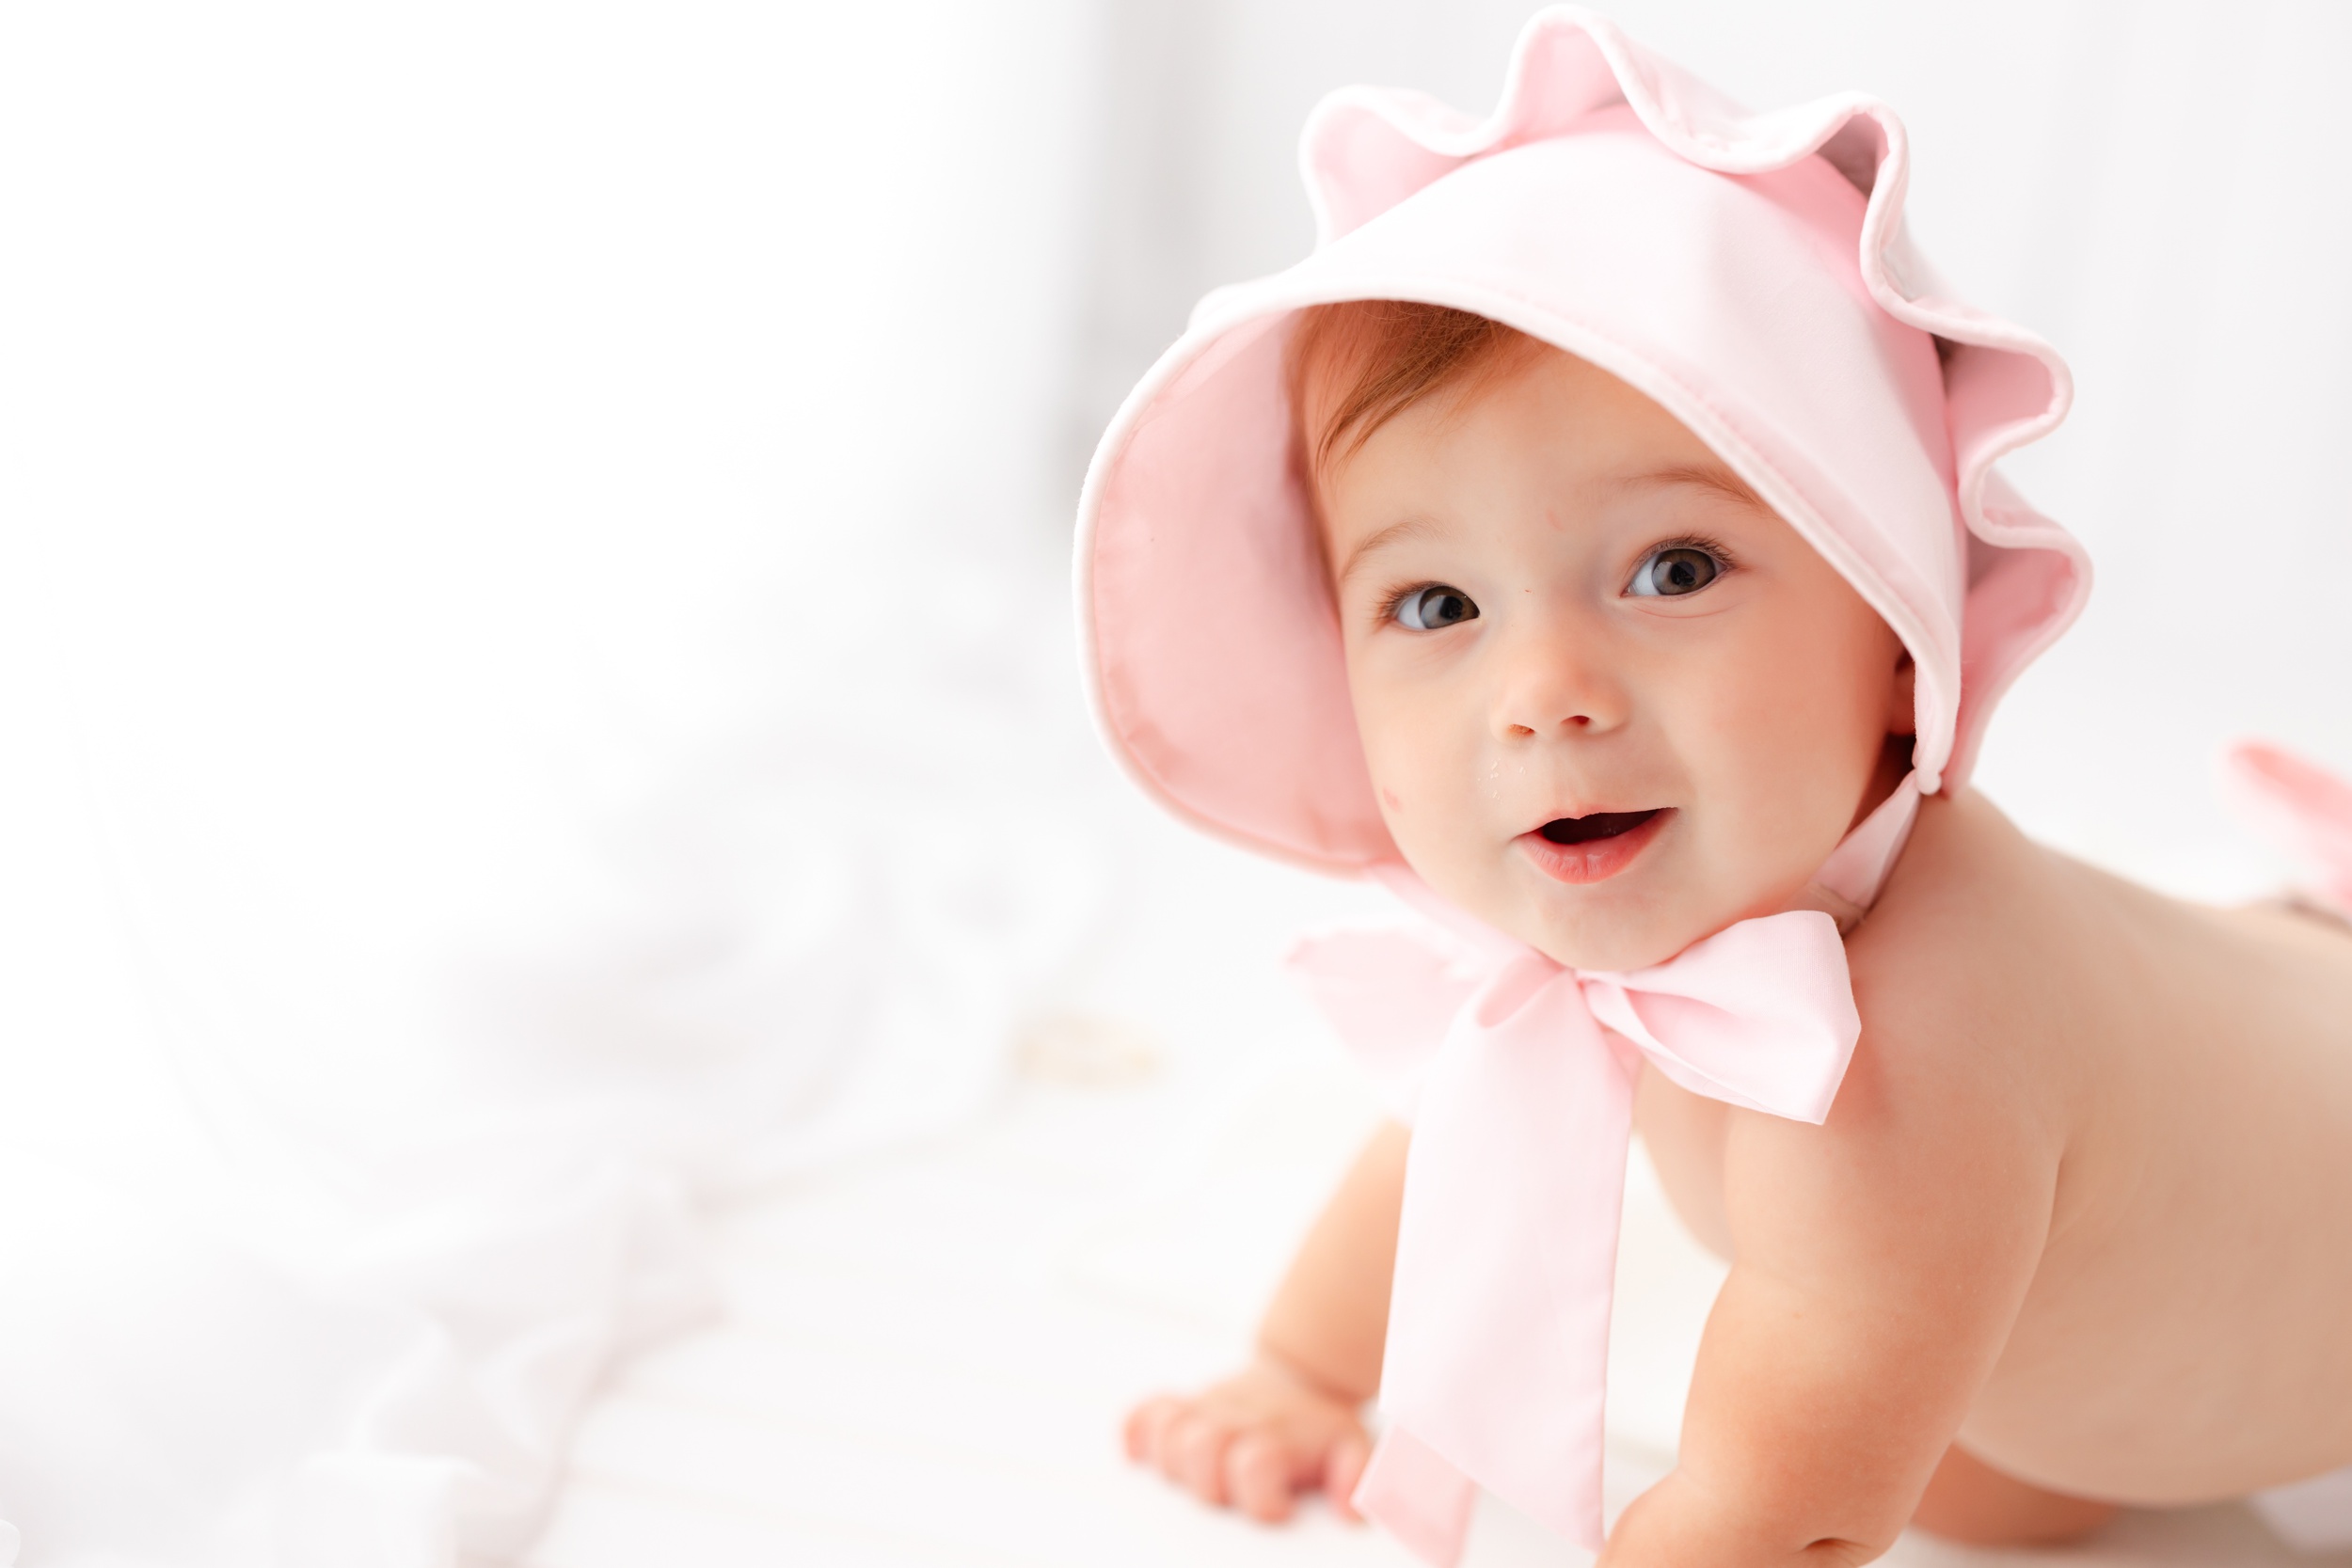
x,y
1556,688
1558,699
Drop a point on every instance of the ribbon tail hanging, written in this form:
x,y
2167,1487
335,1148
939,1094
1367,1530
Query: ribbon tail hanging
x,y
1498,1319
1411,1491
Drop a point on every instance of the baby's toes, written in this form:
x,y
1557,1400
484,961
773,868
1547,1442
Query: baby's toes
x,y
1258,1476
1193,1455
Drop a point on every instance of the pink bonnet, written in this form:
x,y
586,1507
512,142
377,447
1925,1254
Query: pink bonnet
x,y
1749,272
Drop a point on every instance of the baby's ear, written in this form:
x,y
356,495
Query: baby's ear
x,y
1902,713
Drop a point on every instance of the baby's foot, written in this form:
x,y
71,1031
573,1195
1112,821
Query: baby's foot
x,y
1254,1441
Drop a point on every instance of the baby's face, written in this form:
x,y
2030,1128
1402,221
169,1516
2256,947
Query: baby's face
x,y
1610,702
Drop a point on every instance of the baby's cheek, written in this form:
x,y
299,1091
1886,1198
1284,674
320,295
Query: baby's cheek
x,y
1425,767
1405,806
1400,783
1780,758
1435,825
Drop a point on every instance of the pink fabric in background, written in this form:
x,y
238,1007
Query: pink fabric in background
x,y
2304,809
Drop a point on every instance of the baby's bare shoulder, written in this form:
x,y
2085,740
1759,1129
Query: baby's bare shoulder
x,y
2189,1069
2109,1124
1970,889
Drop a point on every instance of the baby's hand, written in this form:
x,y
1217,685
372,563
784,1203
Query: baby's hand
x,y
1254,1441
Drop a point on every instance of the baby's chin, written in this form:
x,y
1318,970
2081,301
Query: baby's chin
x,y
1627,922
1615,941
1619,927
1642,913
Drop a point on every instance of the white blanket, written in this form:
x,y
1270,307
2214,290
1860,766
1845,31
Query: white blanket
x,y
502,742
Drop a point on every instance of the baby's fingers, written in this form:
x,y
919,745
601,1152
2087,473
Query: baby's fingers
x,y
1147,1427
1258,1476
1192,1454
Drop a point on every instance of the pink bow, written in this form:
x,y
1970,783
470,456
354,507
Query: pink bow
x,y
1498,1319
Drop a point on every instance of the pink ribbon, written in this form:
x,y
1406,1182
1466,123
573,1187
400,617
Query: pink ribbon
x,y
1498,1319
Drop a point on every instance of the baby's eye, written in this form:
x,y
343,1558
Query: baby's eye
x,y
1674,571
1435,607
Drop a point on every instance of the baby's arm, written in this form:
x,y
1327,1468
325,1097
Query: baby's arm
x,y
1288,1422
1881,1261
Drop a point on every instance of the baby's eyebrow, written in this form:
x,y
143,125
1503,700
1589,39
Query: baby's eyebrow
x,y
1707,476
1395,534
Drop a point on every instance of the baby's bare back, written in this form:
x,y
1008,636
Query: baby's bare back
x,y
2184,1337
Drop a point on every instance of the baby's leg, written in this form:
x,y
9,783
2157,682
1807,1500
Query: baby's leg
x,y
1973,1503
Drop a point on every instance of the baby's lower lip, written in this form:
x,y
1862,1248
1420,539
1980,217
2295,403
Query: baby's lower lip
x,y
1594,860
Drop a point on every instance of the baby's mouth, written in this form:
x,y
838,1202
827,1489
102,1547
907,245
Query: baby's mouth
x,y
1600,824
1594,847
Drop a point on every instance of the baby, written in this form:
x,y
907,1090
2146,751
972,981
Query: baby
x,y
1596,539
